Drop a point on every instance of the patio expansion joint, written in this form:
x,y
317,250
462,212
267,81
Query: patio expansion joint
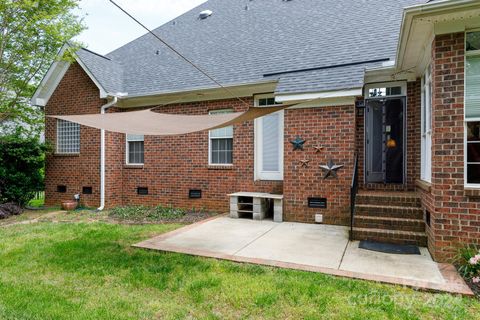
x,y
254,240
343,255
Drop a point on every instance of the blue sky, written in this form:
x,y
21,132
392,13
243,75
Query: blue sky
x,y
109,28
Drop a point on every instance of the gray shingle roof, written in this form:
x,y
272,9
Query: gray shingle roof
x,y
238,46
108,73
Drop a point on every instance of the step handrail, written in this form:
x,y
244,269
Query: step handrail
x,y
353,194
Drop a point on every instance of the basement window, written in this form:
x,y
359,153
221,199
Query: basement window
x,y
142,191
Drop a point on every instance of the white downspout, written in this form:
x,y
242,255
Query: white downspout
x,y
102,155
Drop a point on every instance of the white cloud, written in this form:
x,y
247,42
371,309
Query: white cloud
x,y
109,28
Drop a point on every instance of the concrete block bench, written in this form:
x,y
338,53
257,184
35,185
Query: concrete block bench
x,y
256,204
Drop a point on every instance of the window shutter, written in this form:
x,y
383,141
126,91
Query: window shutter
x,y
270,143
472,94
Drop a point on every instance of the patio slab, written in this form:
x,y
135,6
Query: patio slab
x,y
309,244
309,247
406,266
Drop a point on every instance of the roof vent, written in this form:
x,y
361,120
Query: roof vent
x,y
205,14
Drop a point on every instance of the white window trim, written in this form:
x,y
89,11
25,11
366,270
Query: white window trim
x,y
465,147
127,150
57,144
402,84
258,173
210,141
426,134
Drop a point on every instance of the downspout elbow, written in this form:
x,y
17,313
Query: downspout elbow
x,y
102,155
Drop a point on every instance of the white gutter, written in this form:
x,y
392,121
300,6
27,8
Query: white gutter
x,y
102,155
318,95
430,7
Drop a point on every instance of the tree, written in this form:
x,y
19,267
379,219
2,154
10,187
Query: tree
x,y
31,35
22,160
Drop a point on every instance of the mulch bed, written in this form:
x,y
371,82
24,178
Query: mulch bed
x,y
9,209
474,286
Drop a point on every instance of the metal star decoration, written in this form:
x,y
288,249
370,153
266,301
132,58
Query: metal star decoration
x,y
304,163
318,148
297,143
330,169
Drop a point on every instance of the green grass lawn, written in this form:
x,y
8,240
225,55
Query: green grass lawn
x,y
89,271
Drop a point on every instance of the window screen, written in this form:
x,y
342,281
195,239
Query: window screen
x,y
473,41
472,87
135,149
221,143
269,143
472,106
68,137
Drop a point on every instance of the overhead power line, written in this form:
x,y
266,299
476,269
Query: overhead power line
x,y
181,55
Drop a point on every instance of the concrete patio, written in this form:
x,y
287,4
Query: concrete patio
x,y
310,247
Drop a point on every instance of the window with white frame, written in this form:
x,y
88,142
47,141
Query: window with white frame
x,y
68,137
426,139
135,149
472,107
221,143
268,142
384,92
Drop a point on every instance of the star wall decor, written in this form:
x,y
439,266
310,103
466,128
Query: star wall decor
x,y
330,169
304,163
297,143
318,148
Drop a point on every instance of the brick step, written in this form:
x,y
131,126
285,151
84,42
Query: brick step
x,y
409,199
391,236
403,212
416,225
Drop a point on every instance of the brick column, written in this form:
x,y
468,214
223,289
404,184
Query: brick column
x,y
454,214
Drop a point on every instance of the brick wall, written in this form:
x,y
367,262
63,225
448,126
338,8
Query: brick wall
x,y
413,132
333,128
76,94
173,165
455,211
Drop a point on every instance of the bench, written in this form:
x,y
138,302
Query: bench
x,y
256,204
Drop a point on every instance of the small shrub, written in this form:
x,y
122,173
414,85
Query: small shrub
x,y
130,212
169,213
21,168
9,209
147,213
468,259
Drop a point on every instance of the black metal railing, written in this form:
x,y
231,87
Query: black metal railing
x,y
353,194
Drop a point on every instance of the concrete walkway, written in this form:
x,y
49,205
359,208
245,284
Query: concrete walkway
x,y
311,247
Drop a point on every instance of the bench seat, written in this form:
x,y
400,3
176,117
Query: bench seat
x,y
256,203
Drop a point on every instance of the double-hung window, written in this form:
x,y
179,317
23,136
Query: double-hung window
x,y
426,139
472,108
135,149
268,142
68,137
221,143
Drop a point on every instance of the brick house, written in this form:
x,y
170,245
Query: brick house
x,y
395,83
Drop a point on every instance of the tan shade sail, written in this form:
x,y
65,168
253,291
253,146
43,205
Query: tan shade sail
x,y
148,122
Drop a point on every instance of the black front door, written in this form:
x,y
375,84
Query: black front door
x,y
384,134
